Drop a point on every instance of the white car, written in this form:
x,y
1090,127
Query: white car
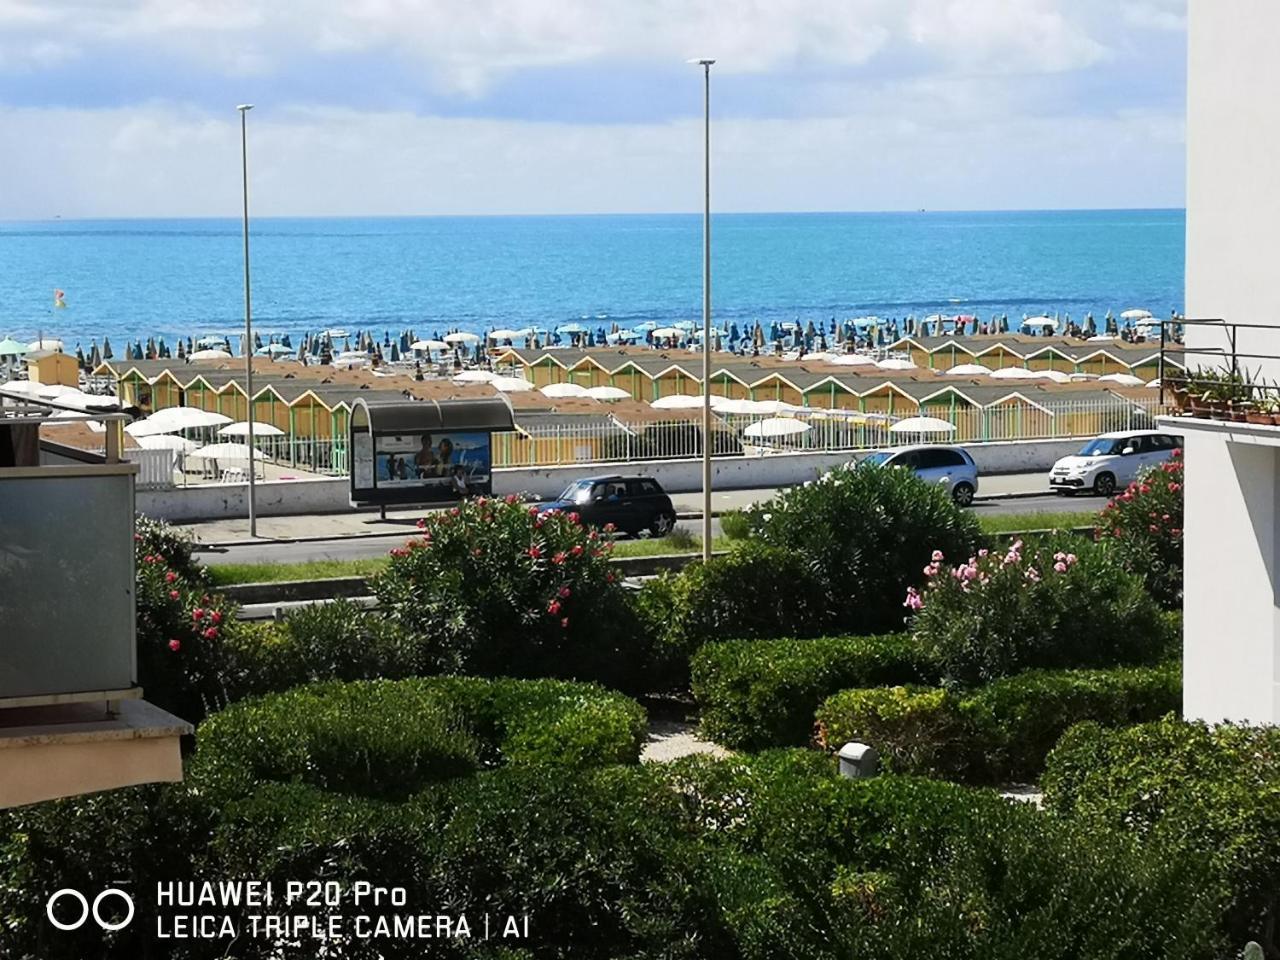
x,y
1112,460
950,466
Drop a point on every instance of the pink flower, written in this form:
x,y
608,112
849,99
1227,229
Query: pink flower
x,y
170,577
577,550
1152,528
560,557
574,518
969,573
914,600
533,511
210,633
1060,567
593,535
1033,574
983,552
173,594
1059,556
553,608
937,556
454,512
477,552
175,645
609,528
564,624
1175,487
931,570
564,593
1071,558
1177,452
964,585
1144,489
509,499
197,614
422,524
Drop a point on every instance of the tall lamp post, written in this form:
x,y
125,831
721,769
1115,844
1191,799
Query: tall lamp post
x,y
706,63
244,109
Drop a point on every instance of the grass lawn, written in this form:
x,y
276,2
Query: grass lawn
x,y
1041,520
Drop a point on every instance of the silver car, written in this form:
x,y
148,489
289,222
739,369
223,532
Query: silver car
x,y
950,466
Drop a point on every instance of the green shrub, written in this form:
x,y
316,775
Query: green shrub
x,y
1058,602
998,733
495,588
1143,525
735,525
754,591
1190,791
762,693
391,738
866,532
915,729
173,546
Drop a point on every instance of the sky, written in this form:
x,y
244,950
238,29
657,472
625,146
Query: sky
x,y
126,108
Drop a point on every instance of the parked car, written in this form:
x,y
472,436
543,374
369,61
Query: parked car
x,y
631,504
950,466
1112,460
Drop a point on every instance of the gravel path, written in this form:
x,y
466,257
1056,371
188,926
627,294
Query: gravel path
x,y
672,739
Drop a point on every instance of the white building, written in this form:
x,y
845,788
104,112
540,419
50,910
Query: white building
x,y
1232,527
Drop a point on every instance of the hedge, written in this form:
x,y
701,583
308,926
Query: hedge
x,y
1195,791
390,739
1000,732
762,693
742,859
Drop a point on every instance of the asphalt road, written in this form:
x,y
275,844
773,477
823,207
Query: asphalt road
x,y
351,548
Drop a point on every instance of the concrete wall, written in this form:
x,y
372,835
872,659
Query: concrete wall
x,y
282,498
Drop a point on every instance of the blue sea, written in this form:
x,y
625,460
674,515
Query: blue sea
x,y
129,279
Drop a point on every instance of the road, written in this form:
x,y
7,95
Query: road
x,y
351,548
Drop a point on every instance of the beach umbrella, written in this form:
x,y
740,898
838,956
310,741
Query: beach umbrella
x,y
776,427
684,324
241,429
677,401
273,350
10,347
166,442
429,346
211,341
758,336
569,329
1136,315
1057,376
922,425
95,356
645,327
1014,373
1090,328
1122,379
663,332
209,355
969,370
226,451
501,335
608,394
895,363
79,356
564,390
1004,323
511,384
45,343
461,336
1039,322
474,376
106,348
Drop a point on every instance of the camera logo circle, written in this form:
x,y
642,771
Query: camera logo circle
x,y
86,910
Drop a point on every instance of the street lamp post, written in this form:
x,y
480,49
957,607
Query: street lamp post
x,y
244,108
706,63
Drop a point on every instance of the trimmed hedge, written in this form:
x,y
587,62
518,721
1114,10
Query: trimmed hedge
x,y
755,858
762,693
390,739
1196,792
999,732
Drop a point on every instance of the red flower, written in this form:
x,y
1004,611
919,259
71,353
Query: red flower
x,y
477,552
560,557
593,535
509,499
564,624
1144,489
170,577
1177,451
553,607
564,593
173,594
217,617
535,551
197,614
454,512
577,550
175,645
533,511
609,528
574,518
608,578
422,524
210,634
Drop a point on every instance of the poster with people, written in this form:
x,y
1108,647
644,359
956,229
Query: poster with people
x,y
444,464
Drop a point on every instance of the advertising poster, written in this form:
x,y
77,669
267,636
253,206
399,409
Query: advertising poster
x,y
456,462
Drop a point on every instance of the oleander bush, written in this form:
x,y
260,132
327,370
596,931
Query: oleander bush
x,y
1191,790
753,591
735,525
495,588
389,738
866,533
1000,732
762,693
1143,526
1057,602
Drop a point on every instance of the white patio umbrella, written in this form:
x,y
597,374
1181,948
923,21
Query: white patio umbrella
x,y
1154,384
1101,338
922,425
1040,321
563,390
45,344
774,407
571,328
241,429
1123,379
1014,373
209,355
677,401
226,451
11,348
474,376
969,370
663,332
776,427
1057,376
508,334
461,337
166,442
511,384
853,360
1136,314
428,345
895,363
174,419
820,357
607,394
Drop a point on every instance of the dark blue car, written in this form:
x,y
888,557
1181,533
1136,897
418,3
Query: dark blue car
x,y
631,504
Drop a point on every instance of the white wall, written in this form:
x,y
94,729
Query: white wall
x,y
282,498
1233,179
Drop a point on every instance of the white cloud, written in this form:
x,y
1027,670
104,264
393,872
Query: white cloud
x,y
158,160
